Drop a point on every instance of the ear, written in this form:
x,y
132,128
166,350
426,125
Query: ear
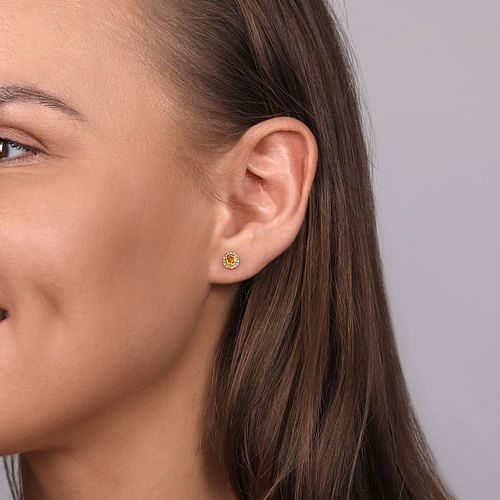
x,y
265,181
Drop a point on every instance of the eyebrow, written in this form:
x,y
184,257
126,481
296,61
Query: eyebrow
x,y
29,93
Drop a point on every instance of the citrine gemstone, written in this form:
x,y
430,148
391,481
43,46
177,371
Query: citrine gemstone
x,y
231,260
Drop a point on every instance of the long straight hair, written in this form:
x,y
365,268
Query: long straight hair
x,y
308,396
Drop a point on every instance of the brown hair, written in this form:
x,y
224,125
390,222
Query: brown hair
x,y
309,400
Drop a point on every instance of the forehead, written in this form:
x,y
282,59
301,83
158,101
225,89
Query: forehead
x,y
72,47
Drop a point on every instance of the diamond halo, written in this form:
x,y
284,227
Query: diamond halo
x,y
231,260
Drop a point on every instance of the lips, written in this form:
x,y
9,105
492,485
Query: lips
x,y
4,314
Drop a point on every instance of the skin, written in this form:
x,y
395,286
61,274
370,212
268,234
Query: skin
x,y
110,260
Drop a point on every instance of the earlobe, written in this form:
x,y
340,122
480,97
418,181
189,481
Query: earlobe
x,y
266,180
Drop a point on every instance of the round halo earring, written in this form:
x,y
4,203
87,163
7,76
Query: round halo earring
x,y
231,260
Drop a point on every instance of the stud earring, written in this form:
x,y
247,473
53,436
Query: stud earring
x,y
231,260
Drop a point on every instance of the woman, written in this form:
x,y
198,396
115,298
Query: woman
x,y
190,272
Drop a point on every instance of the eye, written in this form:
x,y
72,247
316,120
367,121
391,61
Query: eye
x,y
11,151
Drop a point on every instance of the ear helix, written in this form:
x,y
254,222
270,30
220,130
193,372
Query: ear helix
x,y
231,260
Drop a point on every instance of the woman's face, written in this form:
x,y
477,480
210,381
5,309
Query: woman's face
x,y
102,266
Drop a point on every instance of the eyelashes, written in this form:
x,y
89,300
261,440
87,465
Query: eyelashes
x,y
6,146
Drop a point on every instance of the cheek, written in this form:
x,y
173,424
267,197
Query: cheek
x,y
97,273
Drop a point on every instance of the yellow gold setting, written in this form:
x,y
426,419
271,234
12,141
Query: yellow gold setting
x,y
231,260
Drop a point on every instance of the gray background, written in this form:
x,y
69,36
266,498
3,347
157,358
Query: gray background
x,y
430,75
